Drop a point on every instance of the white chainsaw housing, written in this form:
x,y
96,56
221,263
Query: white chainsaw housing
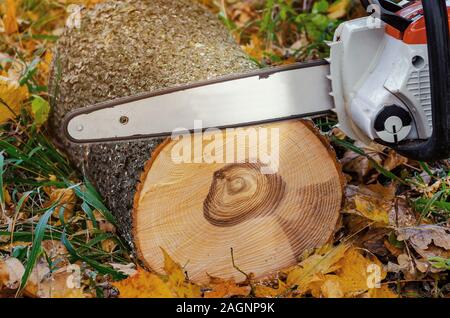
x,y
371,70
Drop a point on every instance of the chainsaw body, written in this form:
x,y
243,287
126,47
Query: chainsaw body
x,y
382,82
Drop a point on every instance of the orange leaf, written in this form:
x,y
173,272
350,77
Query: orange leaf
x,y
226,288
10,18
143,284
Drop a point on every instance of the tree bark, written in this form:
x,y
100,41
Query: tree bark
x,y
129,47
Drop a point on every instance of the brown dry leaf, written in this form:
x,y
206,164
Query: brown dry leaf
x,y
338,9
323,261
143,284
60,284
176,279
222,288
358,165
383,292
242,13
421,237
401,214
103,224
379,191
56,252
405,265
63,198
394,160
373,240
11,272
10,17
11,97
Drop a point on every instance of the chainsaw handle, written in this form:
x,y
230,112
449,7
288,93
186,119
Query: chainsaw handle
x,y
437,27
387,11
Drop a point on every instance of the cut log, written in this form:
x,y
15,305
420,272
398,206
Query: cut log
x,y
268,211
199,212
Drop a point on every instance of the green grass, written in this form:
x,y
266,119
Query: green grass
x,y
28,163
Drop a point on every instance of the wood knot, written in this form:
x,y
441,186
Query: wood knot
x,y
240,192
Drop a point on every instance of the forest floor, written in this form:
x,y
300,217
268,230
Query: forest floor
x,y
57,238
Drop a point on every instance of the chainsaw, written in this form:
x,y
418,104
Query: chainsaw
x,y
387,79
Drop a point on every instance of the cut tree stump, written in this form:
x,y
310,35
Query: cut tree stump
x,y
197,212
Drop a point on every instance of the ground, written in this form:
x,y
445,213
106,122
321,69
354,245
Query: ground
x,y
57,239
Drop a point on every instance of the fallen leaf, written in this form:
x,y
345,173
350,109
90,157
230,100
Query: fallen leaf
x,y
64,283
64,199
422,236
143,284
321,262
394,160
374,239
176,279
40,110
263,291
221,288
405,265
10,17
338,9
401,214
11,272
355,275
11,97
360,166
103,224
56,252
373,209
108,245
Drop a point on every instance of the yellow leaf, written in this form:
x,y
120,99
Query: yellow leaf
x,y
322,262
143,285
11,97
355,272
176,279
226,288
6,196
372,209
10,17
354,276
331,287
338,9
